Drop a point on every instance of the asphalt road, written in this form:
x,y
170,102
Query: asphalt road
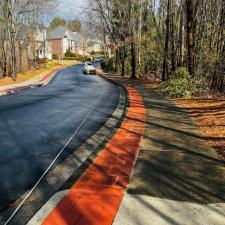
x,y
36,124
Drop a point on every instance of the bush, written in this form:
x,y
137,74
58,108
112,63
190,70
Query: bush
x,y
47,60
69,54
70,58
181,72
55,56
103,65
181,85
99,53
81,58
108,65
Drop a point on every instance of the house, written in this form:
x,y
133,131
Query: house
x,y
42,46
81,48
87,46
62,39
94,45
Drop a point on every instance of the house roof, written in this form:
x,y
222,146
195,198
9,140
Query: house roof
x,y
60,32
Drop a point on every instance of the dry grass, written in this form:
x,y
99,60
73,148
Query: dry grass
x,y
68,62
21,77
209,115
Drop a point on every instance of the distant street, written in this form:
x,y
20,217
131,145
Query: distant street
x,y
36,124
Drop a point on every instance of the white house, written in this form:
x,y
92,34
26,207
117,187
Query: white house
x,y
43,47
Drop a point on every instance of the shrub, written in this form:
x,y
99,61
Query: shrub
x,y
55,56
181,72
108,65
70,58
37,59
69,54
103,65
77,57
97,53
47,60
181,85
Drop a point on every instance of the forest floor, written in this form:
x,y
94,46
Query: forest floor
x,y
208,113
21,77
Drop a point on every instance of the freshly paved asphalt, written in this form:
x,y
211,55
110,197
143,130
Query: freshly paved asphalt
x,y
36,124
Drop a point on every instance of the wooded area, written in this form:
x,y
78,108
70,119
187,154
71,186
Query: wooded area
x,y
18,21
180,41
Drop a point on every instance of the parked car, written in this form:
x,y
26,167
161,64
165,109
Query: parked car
x,y
89,68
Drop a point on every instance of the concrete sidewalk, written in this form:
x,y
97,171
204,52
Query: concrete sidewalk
x,y
178,178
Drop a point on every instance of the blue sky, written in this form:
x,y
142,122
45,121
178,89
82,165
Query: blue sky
x,y
70,9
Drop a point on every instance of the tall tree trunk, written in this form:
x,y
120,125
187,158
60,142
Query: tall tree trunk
x,y
190,35
133,59
140,37
4,59
180,50
166,47
116,60
20,48
123,60
132,41
173,37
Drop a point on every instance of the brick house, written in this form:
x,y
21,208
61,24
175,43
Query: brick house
x,y
62,39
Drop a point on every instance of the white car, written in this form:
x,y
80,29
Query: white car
x,y
89,68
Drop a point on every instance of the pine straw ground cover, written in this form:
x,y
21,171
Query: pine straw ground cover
x,y
209,115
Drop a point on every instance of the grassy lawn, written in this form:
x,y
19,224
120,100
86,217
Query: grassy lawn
x,y
21,77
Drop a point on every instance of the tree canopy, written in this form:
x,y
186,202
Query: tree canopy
x,y
57,22
160,36
74,25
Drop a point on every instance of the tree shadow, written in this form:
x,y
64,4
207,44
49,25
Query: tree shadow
x,y
174,161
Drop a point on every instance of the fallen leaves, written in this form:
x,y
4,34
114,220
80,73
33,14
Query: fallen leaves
x,y
209,115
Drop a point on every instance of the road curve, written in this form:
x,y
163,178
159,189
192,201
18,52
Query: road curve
x,y
36,124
